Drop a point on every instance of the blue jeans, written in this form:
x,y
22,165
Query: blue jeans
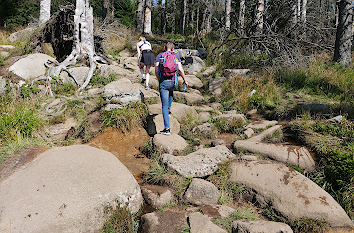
x,y
166,94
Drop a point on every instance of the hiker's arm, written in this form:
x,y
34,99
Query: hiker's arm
x,y
180,68
138,50
157,70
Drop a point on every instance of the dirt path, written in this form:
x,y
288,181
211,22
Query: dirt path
x,y
126,148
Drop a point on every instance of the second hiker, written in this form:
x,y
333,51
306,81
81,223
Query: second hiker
x,y
145,59
166,67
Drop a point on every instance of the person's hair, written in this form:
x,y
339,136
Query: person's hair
x,y
169,46
141,38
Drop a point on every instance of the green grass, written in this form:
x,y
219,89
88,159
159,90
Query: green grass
x,y
120,220
228,190
101,81
66,88
228,125
241,213
126,118
18,120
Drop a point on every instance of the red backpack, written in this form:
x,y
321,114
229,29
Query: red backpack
x,y
168,66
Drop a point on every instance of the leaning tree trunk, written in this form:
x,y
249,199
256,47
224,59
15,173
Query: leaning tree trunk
x,y
183,16
44,15
147,18
140,16
83,44
342,49
227,14
304,10
241,17
105,8
259,17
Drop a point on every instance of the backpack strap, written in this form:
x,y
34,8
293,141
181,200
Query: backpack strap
x,y
142,44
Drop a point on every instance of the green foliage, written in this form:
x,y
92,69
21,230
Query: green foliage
x,y
16,13
221,179
2,60
125,12
228,125
27,90
309,225
333,144
241,213
187,126
101,81
120,220
125,118
66,88
276,137
18,120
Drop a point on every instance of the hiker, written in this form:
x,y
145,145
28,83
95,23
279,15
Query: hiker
x,y
145,59
167,64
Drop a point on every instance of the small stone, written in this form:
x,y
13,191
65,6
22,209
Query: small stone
x,y
110,107
249,132
204,116
171,144
261,124
156,196
200,223
94,91
202,192
217,211
260,226
163,222
249,158
337,119
4,54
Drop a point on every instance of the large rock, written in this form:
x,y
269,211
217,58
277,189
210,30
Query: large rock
x,y
31,66
122,91
184,53
79,73
217,211
59,131
215,86
259,226
179,111
202,192
156,196
7,47
22,34
66,189
163,222
204,116
193,81
200,223
155,124
201,163
193,64
209,71
171,144
231,116
294,155
189,98
262,124
120,71
289,192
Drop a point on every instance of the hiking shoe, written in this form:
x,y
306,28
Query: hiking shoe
x,y
146,87
143,80
165,132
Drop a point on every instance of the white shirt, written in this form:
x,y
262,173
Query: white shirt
x,y
144,46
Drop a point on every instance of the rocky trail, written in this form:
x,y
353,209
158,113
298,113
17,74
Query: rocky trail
x,y
68,189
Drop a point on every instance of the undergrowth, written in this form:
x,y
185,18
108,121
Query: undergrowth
x,y
120,220
125,118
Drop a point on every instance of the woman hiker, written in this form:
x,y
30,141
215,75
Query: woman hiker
x,y
167,64
145,59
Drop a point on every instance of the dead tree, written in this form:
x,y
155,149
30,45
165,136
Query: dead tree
x,y
304,11
140,16
147,18
227,14
259,17
241,17
44,15
183,16
342,49
83,44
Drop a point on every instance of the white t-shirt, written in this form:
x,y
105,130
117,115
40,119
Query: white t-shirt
x,y
144,45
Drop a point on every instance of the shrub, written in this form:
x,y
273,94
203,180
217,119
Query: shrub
x,y
127,117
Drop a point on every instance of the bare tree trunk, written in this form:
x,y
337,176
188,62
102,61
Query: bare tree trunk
x,y
197,23
259,17
298,9
44,11
336,14
208,27
183,16
294,14
242,16
147,19
140,16
83,44
105,9
304,10
342,49
163,18
227,14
